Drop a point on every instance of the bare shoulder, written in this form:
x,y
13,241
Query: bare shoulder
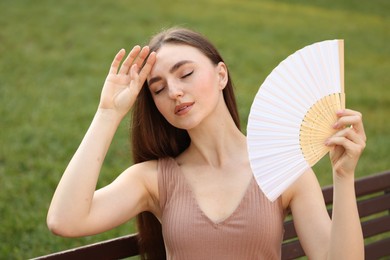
x,y
145,174
143,169
305,186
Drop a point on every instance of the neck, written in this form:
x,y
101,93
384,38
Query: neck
x,y
217,142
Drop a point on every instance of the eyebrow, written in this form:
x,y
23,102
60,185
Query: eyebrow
x,y
172,70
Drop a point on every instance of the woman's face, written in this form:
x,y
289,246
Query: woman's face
x,y
185,85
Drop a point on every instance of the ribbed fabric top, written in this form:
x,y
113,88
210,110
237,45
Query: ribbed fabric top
x,y
253,231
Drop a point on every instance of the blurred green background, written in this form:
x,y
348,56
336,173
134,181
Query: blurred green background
x,y
54,57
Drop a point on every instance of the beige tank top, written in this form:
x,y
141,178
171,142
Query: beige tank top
x,y
253,231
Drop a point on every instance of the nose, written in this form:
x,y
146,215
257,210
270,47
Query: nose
x,y
175,91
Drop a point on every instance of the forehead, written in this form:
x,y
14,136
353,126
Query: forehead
x,y
169,54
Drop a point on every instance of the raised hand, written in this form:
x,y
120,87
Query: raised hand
x,y
348,143
124,82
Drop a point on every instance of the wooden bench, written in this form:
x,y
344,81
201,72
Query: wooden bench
x,y
373,195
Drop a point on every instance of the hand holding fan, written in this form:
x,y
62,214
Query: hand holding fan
x,y
293,113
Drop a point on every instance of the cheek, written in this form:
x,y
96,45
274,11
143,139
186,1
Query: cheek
x,y
162,106
208,85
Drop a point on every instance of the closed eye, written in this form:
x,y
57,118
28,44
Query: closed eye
x,y
186,75
159,90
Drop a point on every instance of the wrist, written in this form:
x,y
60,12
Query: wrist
x,y
345,177
109,115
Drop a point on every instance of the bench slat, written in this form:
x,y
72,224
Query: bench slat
x,y
373,183
363,186
117,248
374,205
378,249
376,226
292,250
367,207
289,230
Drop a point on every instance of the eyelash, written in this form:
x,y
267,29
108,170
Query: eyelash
x,y
186,75
158,91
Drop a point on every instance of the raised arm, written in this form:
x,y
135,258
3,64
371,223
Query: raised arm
x,y
76,208
341,236
347,145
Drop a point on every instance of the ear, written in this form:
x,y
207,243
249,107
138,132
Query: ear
x,y
222,75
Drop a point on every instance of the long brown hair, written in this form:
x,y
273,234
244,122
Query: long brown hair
x,y
153,137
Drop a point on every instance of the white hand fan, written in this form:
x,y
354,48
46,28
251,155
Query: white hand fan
x,y
293,113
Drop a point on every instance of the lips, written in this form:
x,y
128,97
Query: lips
x,y
183,108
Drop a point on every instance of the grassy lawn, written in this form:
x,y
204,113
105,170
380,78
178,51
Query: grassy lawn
x,y
54,56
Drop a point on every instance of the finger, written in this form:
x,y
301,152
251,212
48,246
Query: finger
x,y
129,60
336,153
351,141
142,56
348,117
351,135
135,83
349,146
134,77
117,60
147,68
346,121
138,79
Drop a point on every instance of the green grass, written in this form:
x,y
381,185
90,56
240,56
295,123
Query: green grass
x,y
54,56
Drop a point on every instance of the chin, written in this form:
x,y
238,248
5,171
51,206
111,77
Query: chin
x,y
185,124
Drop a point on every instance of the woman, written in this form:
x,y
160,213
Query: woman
x,y
191,171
